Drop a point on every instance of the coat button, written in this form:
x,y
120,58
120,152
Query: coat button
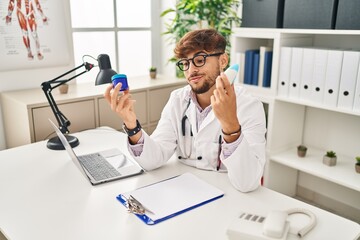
x,y
199,158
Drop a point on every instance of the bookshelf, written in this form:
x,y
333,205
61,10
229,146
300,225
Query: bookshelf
x,y
292,122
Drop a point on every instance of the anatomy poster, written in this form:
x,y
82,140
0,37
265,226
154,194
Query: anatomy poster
x,y
32,34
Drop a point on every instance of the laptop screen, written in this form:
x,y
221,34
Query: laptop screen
x,y
68,148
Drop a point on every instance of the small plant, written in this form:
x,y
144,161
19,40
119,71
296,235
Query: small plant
x,y
301,150
152,71
331,154
330,158
357,164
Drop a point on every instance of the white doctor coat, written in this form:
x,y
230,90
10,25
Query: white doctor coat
x,y
244,166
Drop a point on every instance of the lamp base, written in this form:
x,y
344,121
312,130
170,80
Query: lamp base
x,y
56,144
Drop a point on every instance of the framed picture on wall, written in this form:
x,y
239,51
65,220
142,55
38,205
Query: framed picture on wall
x,y
33,34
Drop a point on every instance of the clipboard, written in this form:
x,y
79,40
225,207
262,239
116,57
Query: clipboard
x,y
160,201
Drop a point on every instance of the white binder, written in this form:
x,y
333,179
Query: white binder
x,y
263,49
295,72
348,79
284,71
307,72
317,90
332,77
356,106
240,59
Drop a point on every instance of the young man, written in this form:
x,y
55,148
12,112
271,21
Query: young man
x,y
210,124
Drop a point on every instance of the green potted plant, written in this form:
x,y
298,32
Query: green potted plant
x,y
330,158
357,164
152,71
301,150
194,14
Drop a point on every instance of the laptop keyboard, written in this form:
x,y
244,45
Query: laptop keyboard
x,y
98,167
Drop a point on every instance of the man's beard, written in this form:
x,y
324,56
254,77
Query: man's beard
x,y
207,85
202,89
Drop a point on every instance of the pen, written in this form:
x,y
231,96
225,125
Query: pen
x,y
219,151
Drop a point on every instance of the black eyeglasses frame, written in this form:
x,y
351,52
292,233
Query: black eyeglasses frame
x,y
180,66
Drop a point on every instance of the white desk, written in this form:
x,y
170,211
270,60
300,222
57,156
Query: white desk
x,y
43,196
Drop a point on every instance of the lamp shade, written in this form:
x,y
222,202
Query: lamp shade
x,y
105,73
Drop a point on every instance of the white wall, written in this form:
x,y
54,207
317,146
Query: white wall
x,y
24,79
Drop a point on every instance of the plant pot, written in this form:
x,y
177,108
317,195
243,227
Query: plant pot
x,y
301,150
357,167
64,88
330,161
152,74
301,153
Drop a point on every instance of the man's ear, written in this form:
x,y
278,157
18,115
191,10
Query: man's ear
x,y
224,59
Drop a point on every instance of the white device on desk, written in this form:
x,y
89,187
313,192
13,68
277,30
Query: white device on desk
x,y
273,227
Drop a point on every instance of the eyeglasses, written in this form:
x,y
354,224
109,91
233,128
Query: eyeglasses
x,y
198,61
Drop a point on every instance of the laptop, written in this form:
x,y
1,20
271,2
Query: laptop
x,y
101,167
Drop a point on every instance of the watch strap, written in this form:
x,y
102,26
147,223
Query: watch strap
x,y
132,132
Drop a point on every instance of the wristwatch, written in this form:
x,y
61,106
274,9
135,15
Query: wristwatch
x,y
132,132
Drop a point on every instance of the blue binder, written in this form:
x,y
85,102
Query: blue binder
x,y
249,65
267,69
171,197
255,75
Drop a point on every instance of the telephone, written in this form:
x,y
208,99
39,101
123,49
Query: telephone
x,y
275,226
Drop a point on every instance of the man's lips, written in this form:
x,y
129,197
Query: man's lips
x,y
195,79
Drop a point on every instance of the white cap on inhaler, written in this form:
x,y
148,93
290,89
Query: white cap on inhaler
x,y
231,73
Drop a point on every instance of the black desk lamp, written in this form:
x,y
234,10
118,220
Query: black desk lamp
x,y
104,76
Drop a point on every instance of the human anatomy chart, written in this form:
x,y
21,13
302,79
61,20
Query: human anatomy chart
x,y
32,34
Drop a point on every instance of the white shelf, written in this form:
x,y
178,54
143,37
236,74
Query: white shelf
x,y
291,122
317,105
343,173
262,93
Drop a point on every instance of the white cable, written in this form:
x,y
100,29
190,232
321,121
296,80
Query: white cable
x,y
302,232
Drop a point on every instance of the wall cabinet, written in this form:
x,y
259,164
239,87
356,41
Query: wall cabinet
x,y
292,122
26,112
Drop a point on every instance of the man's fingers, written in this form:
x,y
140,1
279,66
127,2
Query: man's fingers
x,y
107,93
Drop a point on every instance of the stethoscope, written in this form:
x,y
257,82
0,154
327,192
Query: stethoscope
x,y
183,131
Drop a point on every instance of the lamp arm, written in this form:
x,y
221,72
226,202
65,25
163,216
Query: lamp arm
x,y
48,86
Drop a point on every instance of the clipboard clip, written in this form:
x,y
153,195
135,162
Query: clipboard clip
x,y
134,206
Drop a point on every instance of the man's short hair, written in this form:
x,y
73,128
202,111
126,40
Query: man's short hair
x,y
208,40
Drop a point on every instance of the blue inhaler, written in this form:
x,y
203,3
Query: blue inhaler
x,y
120,78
